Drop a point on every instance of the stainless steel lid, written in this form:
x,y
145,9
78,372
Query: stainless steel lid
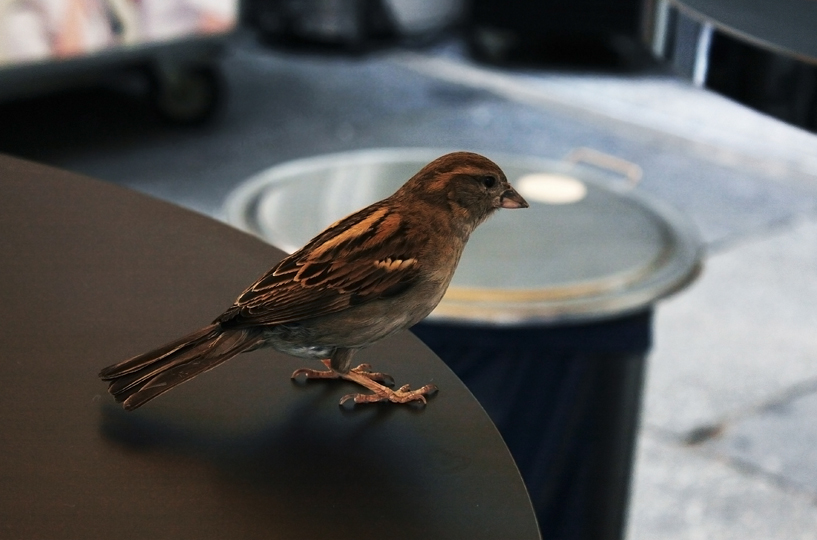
x,y
586,248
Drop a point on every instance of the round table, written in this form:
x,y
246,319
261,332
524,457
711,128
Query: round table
x,y
92,274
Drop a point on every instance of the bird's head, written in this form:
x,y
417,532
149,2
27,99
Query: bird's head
x,y
470,186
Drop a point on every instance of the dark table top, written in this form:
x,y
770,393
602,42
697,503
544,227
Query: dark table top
x,y
91,274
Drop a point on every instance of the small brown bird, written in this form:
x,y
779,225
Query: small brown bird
x,y
377,271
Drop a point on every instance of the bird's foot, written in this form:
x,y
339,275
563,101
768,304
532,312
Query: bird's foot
x,y
375,381
363,369
404,394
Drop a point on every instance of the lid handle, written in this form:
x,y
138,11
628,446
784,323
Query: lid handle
x,y
632,172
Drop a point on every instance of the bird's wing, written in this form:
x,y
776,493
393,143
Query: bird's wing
x,y
358,259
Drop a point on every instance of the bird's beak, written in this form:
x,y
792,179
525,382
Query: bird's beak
x,y
511,199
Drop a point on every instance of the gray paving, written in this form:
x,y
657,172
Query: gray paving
x,y
728,433
727,446
685,494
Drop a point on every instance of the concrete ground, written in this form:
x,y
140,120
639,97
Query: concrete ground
x,y
728,444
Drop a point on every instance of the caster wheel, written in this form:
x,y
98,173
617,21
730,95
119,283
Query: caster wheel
x,y
186,95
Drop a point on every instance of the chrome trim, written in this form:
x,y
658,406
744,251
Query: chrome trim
x,y
761,53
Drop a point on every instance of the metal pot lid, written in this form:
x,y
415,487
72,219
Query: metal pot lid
x,y
586,248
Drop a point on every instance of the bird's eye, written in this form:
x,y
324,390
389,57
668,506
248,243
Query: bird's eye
x,y
488,181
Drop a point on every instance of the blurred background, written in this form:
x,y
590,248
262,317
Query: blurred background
x,y
714,102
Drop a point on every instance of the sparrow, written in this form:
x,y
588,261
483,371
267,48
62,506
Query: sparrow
x,y
367,276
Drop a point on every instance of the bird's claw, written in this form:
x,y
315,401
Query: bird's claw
x,y
363,369
329,373
308,373
404,394
313,374
366,371
378,383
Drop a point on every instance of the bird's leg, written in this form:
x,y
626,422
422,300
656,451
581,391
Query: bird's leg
x,y
378,383
364,370
404,394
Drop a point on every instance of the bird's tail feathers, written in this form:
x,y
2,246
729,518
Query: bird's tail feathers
x,y
136,381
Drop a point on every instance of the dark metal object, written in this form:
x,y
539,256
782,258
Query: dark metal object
x,y
578,32
762,53
566,399
93,272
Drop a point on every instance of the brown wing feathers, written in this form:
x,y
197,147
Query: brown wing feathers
x,y
357,259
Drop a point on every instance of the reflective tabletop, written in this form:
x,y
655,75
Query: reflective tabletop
x,y
92,274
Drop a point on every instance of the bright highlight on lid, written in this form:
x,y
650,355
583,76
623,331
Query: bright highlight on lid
x,y
550,188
